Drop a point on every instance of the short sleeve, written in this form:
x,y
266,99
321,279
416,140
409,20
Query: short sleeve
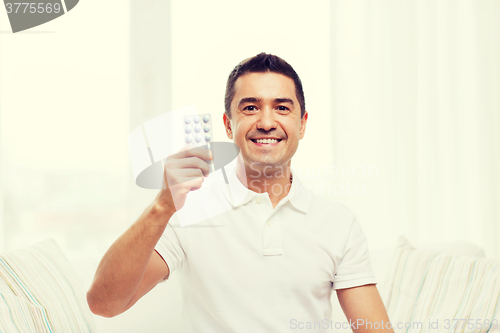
x,y
354,268
169,247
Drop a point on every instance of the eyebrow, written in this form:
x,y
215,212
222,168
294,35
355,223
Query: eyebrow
x,y
249,100
256,100
283,100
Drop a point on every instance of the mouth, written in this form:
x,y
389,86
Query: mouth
x,y
266,142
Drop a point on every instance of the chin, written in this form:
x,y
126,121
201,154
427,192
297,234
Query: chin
x,y
260,164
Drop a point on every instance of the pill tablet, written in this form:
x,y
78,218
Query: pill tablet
x,y
198,129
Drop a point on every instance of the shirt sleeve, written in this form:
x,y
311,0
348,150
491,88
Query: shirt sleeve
x,y
354,269
169,246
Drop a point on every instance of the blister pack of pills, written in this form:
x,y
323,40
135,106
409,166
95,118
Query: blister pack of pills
x,y
198,130
162,136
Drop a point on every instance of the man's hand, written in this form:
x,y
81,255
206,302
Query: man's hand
x,y
183,172
364,308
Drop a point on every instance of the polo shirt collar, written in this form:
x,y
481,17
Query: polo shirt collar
x,y
298,195
240,194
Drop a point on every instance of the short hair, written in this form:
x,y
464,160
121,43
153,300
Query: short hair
x,y
262,63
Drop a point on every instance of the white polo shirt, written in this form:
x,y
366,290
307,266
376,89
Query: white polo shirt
x,y
258,269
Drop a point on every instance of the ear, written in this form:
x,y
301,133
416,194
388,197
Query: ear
x,y
303,123
227,125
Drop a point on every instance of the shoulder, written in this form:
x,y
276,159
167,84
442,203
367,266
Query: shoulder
x,y
322,207
336,210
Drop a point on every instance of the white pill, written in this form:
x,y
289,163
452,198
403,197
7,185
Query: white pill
x,y
189,139
197,128
187,120
206,128
207,138
196,119
188,130
198,138
206,118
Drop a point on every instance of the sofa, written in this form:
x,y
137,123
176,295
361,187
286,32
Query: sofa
x,y
441,287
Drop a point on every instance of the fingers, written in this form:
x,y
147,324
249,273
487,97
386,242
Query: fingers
x,y
195,184
181,176
180,191
190,158
187,164
185,171
195,163
200,152
182,170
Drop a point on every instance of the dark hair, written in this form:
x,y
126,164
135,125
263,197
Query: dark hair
x,y
262,63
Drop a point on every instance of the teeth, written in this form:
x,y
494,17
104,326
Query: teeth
x,y
267,141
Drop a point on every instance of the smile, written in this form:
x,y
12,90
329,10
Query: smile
x,y
266,142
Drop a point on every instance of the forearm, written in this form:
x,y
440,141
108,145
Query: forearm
x,y
122,268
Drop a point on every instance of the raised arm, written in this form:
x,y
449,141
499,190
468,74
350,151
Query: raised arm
x,y
131,267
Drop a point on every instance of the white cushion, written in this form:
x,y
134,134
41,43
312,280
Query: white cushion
x,y
425,286
40,292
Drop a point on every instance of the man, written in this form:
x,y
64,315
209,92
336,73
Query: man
x,y
280,252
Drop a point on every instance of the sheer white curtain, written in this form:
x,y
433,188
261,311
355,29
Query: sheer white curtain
x,y
415,92
64,127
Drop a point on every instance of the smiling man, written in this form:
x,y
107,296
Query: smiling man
x,y
267,124
281,251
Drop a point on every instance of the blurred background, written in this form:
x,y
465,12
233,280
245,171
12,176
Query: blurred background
x,y
403,101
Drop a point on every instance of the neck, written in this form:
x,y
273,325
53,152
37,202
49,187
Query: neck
x,y
275,180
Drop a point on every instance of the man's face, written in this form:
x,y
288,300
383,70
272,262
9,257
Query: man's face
x,y
265,119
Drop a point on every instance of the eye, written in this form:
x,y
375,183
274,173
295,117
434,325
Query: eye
x,y
250,108
283,108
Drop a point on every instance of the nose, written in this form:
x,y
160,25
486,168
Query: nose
x,y
266,121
